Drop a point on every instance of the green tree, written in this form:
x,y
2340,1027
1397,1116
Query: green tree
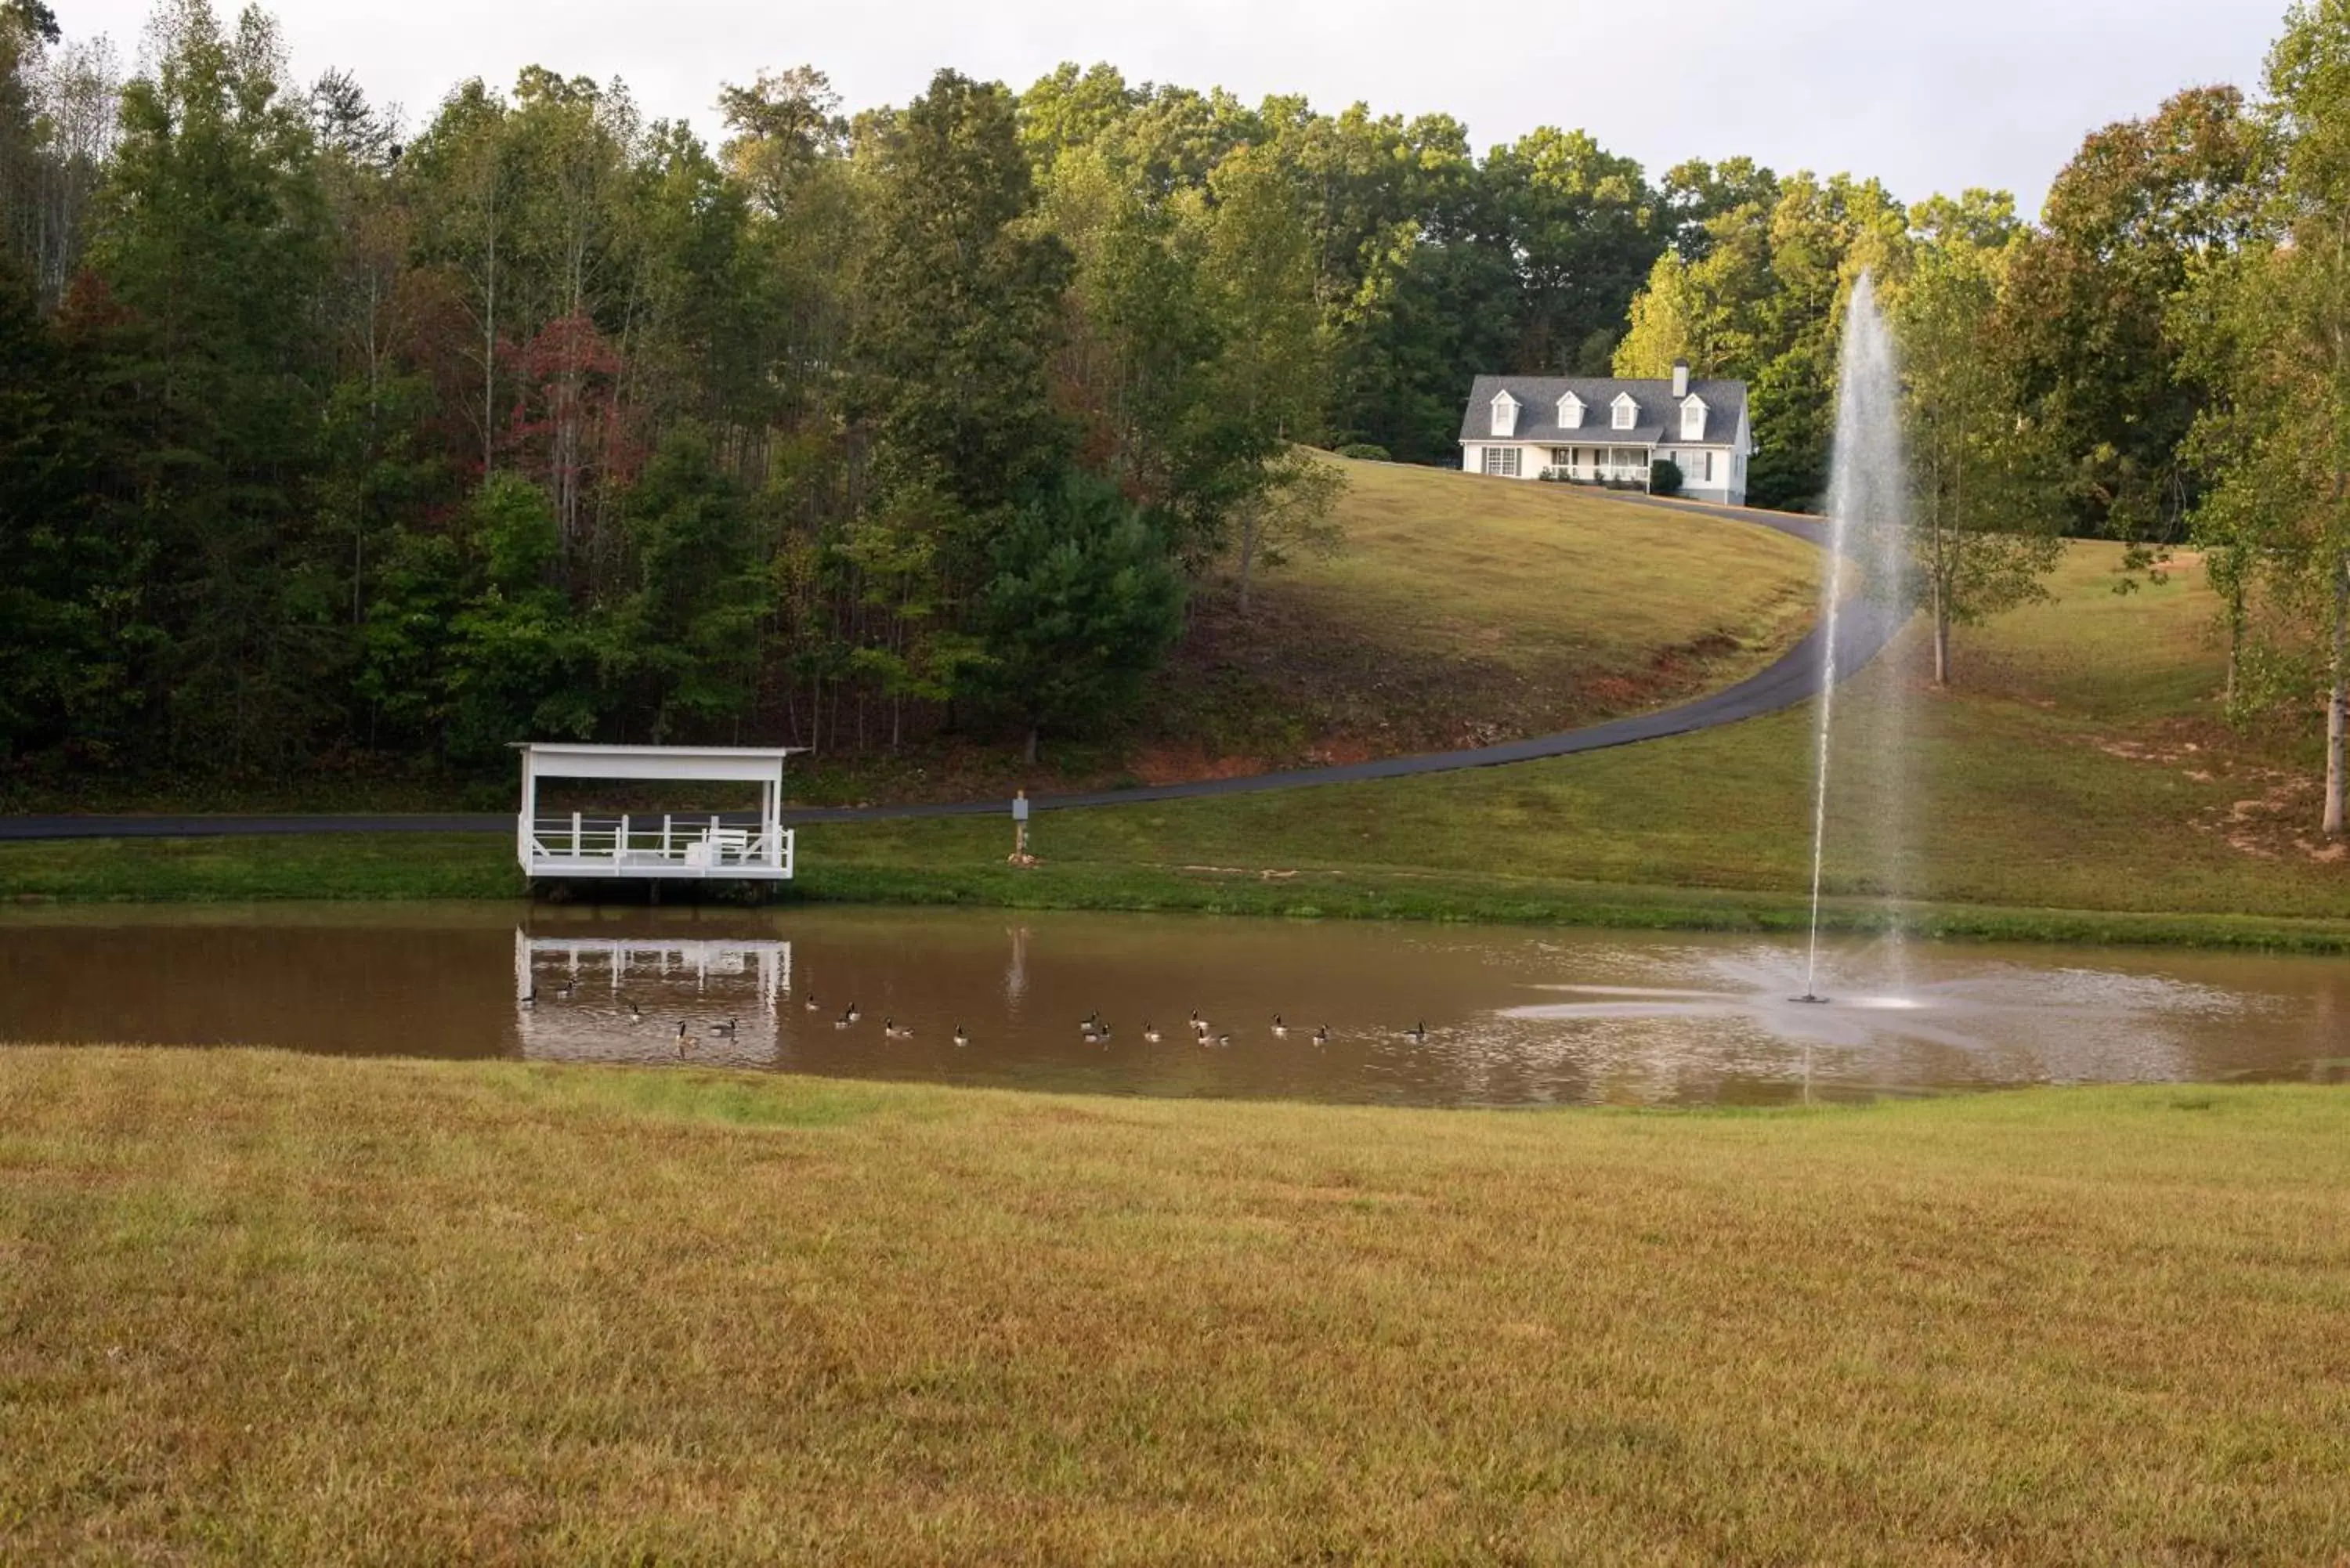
x,y
1984,532
1084,604
787,125
681,645
1763,302
519,664
1582,224
466,182
959,300
213,248
2125,224
1292,511
2269,330
1070,109
63,658
1269,376
1137,357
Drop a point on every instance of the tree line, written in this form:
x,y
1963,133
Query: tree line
x,y
326,436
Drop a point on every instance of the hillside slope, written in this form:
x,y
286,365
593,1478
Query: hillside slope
x,y
2079,763
1465,610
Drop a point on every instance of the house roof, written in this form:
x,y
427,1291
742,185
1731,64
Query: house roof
x,y
1658,422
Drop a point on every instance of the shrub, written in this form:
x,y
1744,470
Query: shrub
x,y
1664,477
1363,451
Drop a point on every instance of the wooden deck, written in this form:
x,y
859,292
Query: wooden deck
x,y
688,847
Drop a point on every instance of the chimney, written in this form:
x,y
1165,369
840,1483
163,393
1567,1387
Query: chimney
x,y
1680,377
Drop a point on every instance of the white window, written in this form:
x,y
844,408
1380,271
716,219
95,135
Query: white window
x,y
1693,419
1627,410
1505,415
1708,461
1570,413
1502,461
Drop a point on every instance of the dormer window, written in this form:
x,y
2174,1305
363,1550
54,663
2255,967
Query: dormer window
x,y
1693,418
1626,411
1570,413
1505,415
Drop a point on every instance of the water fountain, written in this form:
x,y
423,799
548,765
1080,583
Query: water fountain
x,y
1865,592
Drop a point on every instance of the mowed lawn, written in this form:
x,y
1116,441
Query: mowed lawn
x,y
1464,608
1531,574
261,1308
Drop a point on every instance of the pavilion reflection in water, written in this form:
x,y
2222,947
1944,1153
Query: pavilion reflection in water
x,y
620,999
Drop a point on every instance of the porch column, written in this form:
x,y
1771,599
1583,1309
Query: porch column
x,y
525,822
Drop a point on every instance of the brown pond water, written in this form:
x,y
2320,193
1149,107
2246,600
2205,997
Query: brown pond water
x,y
1514,1017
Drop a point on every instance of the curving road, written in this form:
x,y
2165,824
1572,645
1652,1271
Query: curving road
x,y
1790,679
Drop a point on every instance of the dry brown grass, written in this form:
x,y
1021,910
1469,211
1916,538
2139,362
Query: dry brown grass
x,y
264,1308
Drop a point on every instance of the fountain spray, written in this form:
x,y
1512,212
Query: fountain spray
x,y
1868,505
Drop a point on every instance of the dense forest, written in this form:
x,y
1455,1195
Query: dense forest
x,y
326,436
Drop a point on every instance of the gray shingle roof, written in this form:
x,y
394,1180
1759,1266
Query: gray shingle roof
x,y
1658,422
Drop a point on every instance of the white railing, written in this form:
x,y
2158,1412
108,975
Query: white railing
x,y
669,845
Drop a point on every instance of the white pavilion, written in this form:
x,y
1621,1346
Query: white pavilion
x,y
698,846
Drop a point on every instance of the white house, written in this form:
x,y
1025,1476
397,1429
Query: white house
x,y
1600,430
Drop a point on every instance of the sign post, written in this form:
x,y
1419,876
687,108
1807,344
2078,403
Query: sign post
x,y
1020,856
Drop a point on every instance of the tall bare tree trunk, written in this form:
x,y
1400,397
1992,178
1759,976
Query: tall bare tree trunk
x,y
490,357
2338,698
1945,547
1248,529
2235,640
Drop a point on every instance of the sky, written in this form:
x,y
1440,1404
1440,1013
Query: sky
x,y
1927,96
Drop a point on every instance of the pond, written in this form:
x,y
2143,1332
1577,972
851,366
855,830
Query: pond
x,y
1414,1014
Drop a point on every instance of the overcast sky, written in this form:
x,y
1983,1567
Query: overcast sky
x,y
1929,95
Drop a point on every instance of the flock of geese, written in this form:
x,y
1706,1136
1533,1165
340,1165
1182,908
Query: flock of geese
x,y
1092,1029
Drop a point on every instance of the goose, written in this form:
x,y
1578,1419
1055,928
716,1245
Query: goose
x,y
530,997
563,992
1151,1032
962,1035
636,1014
890,1030
812,1005
1322,1035
1417,1033
1280,1030
1199,1025
854,1013
685,1038
726,1029
844,1020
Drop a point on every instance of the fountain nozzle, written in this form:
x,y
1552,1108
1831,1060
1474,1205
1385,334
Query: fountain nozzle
x,y
1808,998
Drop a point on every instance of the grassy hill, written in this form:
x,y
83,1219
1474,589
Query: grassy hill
x,y
2078,763
1465,610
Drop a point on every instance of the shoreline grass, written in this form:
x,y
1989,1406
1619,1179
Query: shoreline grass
x,y
268,1308
425,867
